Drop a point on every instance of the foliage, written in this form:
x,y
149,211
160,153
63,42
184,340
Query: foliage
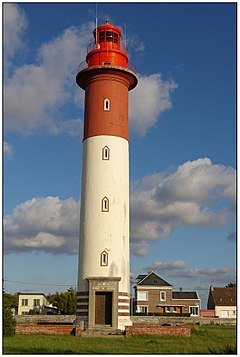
x,y
206,339
231,285
66,301
11,300
9,323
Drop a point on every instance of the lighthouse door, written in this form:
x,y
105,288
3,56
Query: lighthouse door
x,y
103,308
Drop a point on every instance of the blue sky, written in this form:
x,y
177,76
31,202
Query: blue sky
x,y
182,122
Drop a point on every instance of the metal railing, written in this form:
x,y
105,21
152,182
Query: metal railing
x,y
83,65
107,46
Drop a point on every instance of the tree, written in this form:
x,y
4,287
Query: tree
x,y
9,322
65,302
231,285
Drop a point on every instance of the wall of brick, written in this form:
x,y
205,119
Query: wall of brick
x,y
31,319
156,330
207,313
160,320
48,329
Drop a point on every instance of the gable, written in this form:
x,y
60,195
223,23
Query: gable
x,y
224,296
152,279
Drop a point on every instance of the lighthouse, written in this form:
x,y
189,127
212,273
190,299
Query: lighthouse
x,y
103,291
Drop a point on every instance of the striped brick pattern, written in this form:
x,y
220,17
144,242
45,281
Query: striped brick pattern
x,y
82,305
123,304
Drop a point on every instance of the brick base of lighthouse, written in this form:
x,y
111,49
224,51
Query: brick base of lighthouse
x,y
103,305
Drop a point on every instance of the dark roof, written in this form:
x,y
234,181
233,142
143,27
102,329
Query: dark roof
x,y
184,295
152,279
224,296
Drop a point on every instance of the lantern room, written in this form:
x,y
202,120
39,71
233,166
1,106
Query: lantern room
x,y
107,48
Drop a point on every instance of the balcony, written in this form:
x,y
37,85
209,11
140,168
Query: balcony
x,y
83,65
107,46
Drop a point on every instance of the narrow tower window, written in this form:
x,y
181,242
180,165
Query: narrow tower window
x,y
104,258
106,153
105,204
106,105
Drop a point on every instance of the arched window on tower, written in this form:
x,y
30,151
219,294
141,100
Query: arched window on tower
x,y
105,204
104,258
106,104
105,153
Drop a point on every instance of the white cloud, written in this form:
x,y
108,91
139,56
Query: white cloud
x,y
35,93
197,193
50,224
43,224
14,25
178,269
148,101
166,266
7,149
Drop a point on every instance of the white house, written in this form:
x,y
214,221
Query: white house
x,y
31,301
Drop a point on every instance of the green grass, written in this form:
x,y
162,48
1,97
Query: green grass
x,y
213,339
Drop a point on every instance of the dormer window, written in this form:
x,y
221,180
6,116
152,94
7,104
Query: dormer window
x,y
106,104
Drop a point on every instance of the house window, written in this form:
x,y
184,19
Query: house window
x,y
104,258
24,302
106,104
194,310
142,308
106,153
162,295
105,204
24,313
36,302
142,295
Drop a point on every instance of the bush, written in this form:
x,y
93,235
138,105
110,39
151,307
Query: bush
x,y
9,323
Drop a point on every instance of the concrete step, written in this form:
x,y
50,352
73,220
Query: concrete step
x,y
102,332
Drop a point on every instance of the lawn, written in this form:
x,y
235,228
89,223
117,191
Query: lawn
x,y
205,339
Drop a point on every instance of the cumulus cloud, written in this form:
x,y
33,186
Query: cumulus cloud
x,y
148,101
50,224
43,224
14,26
35,94
197,193
7,149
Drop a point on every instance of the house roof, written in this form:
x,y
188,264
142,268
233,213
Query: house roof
x,y
224,296
184,295
31,294
151,279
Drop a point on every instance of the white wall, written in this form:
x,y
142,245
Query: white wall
x,y
226,311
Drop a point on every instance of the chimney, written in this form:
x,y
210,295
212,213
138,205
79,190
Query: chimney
x,y
180,290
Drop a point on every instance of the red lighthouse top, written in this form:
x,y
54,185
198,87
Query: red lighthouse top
x,y
107,48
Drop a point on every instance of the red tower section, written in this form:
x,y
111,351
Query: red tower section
x,y
106,77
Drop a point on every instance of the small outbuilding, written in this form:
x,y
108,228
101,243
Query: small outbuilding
x,y
223,301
